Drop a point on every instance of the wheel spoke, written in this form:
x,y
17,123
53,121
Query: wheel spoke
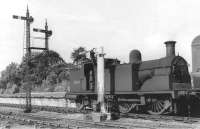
x,y
153,107
79,106
156,107
126,107
159,107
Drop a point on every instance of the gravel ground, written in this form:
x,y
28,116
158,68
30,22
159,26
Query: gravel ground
x,y
11,124
129,123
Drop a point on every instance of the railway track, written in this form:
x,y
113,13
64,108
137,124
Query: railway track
x,y
74,123
131,115
49,119
51,122
41,121
189,120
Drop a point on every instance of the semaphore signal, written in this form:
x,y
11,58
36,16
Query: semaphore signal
x,y
47,33
28,19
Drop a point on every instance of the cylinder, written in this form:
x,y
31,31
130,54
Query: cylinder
x,y
100,80
170,48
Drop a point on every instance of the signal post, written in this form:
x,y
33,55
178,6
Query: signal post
x,y
28,19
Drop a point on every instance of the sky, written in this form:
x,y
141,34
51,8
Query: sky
x,y
117,25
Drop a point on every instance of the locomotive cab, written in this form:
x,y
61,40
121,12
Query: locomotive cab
x,y
180,77
82,79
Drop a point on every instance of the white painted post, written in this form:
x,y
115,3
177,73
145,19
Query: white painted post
x,y
100,80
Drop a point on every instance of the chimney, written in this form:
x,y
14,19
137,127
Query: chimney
x,y
170,48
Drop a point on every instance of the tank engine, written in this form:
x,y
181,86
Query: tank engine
x,y
156,86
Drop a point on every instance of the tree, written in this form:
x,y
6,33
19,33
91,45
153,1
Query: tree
x,y
79,55
10,74
40,66
3,84
10,79
63,76
52,78
46,66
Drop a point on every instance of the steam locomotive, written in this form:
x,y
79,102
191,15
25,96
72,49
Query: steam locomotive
x,y
157,87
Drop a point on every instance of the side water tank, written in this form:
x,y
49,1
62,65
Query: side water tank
x,y
135,56
196,61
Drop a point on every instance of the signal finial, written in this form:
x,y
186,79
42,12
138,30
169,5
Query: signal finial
x,y
45,22
27,10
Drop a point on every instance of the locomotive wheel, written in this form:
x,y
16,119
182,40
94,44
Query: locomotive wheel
x,y
159,107
126,107
80,106
94,105
82,103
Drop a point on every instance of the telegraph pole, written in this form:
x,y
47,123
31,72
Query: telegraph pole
x,y
47,33
28,19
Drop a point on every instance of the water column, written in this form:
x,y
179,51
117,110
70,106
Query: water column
x,y
100,80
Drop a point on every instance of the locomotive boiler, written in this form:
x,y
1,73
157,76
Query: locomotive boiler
x,y
156,86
